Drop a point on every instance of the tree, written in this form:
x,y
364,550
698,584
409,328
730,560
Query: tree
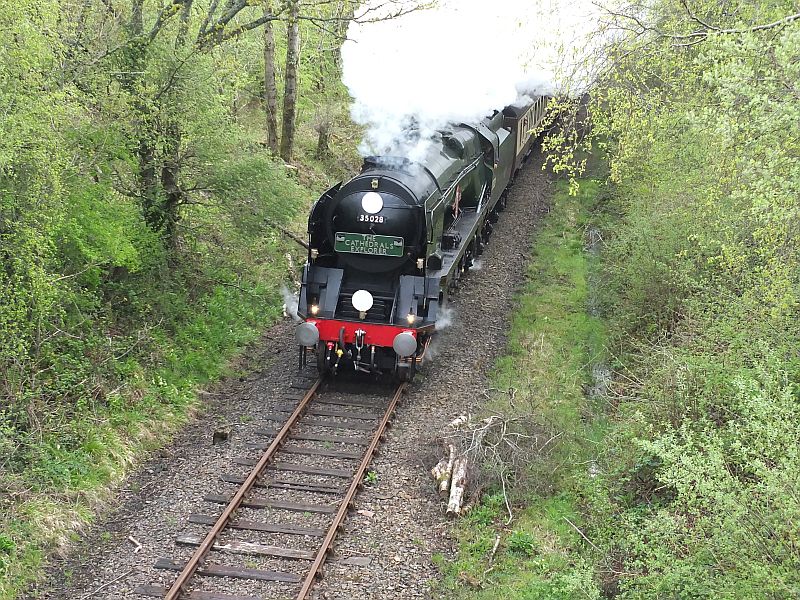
x,y
270,85
290,87
328,20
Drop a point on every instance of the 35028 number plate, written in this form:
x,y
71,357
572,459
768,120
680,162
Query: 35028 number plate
x,y
363,243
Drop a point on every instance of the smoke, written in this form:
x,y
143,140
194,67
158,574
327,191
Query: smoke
x,y
413,75
445,318
290,304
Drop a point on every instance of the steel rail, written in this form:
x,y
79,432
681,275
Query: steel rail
x,y
322,553
174,592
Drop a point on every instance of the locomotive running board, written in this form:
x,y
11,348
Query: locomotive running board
x,y
466,226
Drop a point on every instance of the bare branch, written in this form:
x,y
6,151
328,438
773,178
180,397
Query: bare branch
x,y
222,36
287,233
695,18
212,9
166,13
692,38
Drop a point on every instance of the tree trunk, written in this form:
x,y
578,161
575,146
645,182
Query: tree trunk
x,y
270,88
340,31
148,183
290,91
324,131
183,28
170,182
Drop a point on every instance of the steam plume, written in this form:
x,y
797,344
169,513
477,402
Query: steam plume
x,y
459,61
290,304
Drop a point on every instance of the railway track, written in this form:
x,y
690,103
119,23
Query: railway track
x,y
326,438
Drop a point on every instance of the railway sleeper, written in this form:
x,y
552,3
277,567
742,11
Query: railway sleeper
x,y
316,437
233,572
287,528
312,470
249,462
286,484
274,504
325,423
247,548
330,412
159,591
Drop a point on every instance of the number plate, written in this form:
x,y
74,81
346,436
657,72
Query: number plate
x,y
362,243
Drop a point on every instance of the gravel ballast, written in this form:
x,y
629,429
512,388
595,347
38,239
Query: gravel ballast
x,y
398,523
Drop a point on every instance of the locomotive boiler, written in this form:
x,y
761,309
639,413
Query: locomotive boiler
x,y
387,247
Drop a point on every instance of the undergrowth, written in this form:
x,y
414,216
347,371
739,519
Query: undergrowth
x,y
541,381
90,404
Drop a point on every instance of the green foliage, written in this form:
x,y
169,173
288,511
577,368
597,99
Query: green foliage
x,y
692,490
522,543
135,192
541,380
696,488
7,546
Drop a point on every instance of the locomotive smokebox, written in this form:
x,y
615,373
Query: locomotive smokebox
x,y
365,224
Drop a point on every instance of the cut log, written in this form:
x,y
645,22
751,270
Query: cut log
x,y
447,475
459,421
443,471
438,470
457,486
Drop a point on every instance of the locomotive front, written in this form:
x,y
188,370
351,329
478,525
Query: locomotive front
x,y
365,300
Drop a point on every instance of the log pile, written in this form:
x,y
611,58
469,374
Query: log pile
x,y
468,443
451,473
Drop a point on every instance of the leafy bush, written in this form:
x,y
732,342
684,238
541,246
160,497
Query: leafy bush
x,y
522,543
702,290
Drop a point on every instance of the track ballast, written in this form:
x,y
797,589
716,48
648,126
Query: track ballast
x,y
299,484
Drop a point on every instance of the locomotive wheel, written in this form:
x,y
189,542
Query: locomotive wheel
x,y
502,203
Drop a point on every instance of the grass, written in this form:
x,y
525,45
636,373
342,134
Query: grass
x,y
542,379
56,478
72,469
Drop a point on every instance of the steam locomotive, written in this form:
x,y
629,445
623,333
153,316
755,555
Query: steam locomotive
x,y
387,247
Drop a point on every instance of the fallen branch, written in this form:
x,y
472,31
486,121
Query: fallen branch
x,y
583,535
105,585
444,485
494,548
136,543
495,448
288,233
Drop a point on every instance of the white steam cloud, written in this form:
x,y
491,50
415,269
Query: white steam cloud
x,y
290,304
445,317
459,61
